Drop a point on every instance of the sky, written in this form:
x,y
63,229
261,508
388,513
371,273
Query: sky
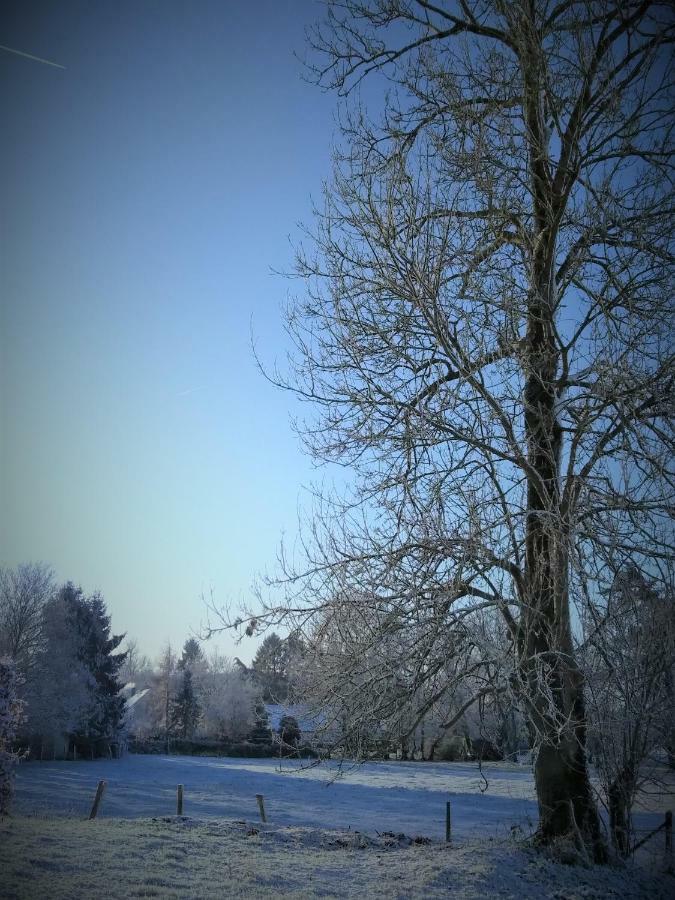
x,y
149,191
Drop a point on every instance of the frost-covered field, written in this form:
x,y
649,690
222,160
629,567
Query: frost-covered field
x,y
407,797
323,838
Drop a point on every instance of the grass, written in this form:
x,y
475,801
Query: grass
x,y
50,857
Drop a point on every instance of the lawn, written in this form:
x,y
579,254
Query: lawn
x,y
377,830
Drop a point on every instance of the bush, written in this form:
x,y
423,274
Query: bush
x,y
289,731
11,716
485,750
204,747
453,748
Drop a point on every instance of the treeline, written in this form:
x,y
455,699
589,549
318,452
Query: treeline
x,y
65,664
191,702
75,690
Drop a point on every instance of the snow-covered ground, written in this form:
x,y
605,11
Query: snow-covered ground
x,y
393,796
192,859
325,835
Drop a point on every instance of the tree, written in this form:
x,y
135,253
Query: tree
x,y
165,691
23,594
73,689
11,714
289,731
274,665
186,711
192,654
60,688
629,656
260,733
136,666
228,701
485,339
96,646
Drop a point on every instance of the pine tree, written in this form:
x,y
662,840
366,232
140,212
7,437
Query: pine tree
x,y
95,646
274,664
186,710
60,689
289,731
261,733
192,654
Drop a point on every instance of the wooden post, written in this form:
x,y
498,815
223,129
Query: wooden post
x,y
448,823
669,837
97,799
179,800
261,806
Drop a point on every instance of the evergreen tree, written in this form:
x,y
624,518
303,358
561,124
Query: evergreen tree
x,y
289,731
186,710
192,654
261,732
95,646
60,690
274,665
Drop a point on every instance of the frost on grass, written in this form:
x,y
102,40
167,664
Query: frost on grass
x,y
173,857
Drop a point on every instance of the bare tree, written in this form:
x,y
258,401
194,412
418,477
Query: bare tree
x,y
228,700
628,657
23,594
137,666
164,692
485,338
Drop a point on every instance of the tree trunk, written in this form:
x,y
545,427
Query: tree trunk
x,y
619,813
564,794
552,680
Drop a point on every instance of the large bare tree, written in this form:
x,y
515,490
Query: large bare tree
x,y
23,594
485,338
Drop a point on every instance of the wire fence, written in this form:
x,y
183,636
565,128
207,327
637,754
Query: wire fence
x,y
647,834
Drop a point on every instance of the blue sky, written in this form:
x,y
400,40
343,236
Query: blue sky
x,y
148,191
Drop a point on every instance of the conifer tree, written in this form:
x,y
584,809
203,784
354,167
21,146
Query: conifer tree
x,y
186,709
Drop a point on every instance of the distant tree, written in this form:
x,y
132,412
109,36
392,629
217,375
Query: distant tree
x,y
289,731
165,688
228,700
192,654
11,714
23,594
268,665
136,666
274,665
261,732
95,650
186,712
60,689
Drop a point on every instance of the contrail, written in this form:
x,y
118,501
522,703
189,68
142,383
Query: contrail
x,y
39,59
189,391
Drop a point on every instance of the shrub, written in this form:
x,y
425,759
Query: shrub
x,y
289,731
11,716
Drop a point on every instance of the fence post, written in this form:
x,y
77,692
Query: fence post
x,y
97,799
448,823
179,800
261,806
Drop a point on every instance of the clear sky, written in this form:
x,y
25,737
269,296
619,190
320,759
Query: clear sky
x,y
148,191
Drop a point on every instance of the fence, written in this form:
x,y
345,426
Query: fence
x,y
667,827
260,800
